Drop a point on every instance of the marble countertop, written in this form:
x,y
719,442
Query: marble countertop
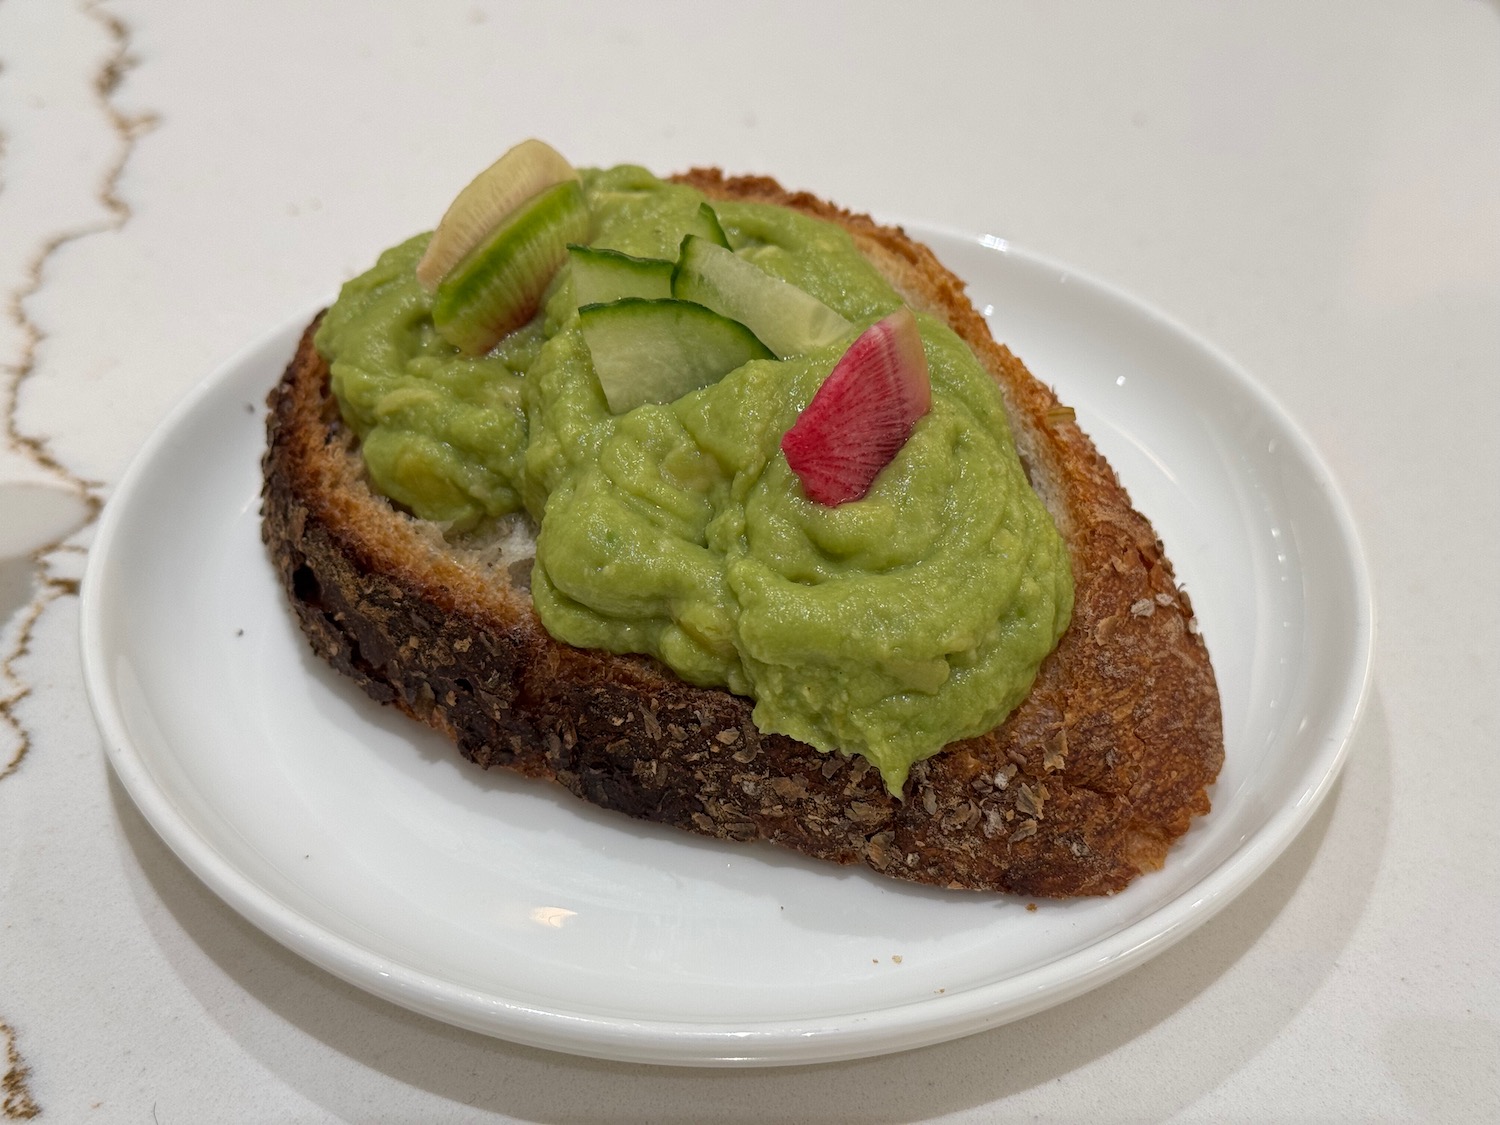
x,y
1311,187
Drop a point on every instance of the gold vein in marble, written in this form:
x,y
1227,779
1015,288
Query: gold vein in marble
x,y
18,1103
129,128
52,589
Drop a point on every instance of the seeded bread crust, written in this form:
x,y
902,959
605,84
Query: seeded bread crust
x,y
1083,787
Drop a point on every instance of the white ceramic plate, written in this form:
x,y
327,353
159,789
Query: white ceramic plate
x,y
363,842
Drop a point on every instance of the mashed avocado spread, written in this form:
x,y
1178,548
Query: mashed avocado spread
x,y
888,626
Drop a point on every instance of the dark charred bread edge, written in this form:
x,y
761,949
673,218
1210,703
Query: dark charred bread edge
x,y
1083,787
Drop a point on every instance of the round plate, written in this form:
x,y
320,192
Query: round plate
x,y
363,842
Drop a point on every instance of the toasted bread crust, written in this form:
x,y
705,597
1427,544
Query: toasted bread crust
x,y
1083,787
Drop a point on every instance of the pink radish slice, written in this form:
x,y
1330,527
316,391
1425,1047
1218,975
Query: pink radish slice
x,y
862,414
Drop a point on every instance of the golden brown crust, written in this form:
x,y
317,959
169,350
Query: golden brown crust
x,y
1083,787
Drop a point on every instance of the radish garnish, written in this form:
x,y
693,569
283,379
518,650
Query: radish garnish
x,y
862,414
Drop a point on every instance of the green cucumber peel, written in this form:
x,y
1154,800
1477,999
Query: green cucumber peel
x,y
647,350
789,320
601,276
706,224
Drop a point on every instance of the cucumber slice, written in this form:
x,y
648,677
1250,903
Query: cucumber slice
x,y
789,320
601,276
705,224
658,351
499,284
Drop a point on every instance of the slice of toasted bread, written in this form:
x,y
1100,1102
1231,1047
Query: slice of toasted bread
x,y
1083,787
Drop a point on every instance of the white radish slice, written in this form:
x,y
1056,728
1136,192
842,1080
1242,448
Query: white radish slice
x,y
527,170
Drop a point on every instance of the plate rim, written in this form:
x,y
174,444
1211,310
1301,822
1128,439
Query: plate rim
x,y
882,1030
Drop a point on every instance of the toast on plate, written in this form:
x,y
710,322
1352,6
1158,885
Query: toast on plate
x,y
1085,785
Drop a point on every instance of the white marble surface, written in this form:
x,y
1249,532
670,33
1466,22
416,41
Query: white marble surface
x,y
1312,187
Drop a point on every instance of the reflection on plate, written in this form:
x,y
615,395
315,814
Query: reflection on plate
x,y
362,841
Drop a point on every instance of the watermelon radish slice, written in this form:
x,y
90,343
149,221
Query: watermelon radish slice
x,y
862,414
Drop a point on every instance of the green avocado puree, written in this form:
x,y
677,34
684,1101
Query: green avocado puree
x,y
887,627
